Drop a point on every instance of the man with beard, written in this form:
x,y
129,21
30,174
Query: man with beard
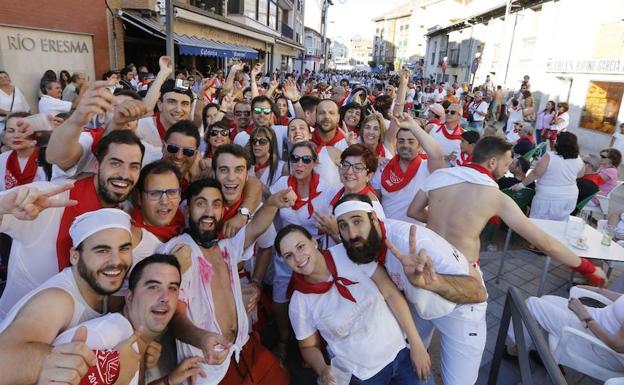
x,y
41,247
329,140
432,274
447,191
214,271
262,116
406,172
100,258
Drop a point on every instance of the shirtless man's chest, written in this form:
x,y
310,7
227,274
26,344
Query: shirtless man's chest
x,y
222,295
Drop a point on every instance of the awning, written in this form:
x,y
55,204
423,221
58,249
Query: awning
x,y
189,45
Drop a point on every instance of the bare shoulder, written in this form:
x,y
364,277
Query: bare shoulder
x,y
42,318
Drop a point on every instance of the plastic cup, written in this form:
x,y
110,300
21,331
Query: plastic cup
x,y
341,371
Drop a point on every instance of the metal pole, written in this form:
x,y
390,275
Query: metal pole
x,y
169,37
513,32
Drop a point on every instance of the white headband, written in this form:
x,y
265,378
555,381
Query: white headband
x,y
348,206
90,223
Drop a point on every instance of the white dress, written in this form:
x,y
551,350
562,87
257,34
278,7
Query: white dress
x,y
556,191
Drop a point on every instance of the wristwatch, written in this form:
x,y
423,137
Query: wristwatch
x,y
586,321
245,212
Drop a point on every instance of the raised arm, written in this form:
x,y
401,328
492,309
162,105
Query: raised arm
x,y
292,94
435,154
257,69
153,93
252,196
64,148
264,216
229,81
399,102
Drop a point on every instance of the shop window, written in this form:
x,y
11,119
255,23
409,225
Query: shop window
x,y
250,9
602,105
263,11
273,15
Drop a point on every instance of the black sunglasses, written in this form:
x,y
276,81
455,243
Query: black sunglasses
x,y
224,133
242,113
173,149
306,159
260,141
451,112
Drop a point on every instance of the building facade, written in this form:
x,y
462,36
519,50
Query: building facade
x,y
390,42
566,63
360,51
316,44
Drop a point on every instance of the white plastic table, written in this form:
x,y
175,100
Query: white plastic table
x,y
596,250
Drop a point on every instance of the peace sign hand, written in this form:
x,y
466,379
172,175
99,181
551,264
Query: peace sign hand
x,y
350,136
26,202
418,266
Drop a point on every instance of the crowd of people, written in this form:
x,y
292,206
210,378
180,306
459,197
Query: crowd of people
x,y
156,223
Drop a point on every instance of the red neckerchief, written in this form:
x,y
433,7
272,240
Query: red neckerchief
x,y
380,150
455,135
313,193
261,166
367,190
435,121
15,176
161,129
164,233
229,212
96,134
464,158
480,168
320,143
393,178
84,192
285,120
495,220
381,256
305,287
595,178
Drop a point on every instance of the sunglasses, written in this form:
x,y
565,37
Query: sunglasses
x,y
156,195
603,156
452,112
242,113
173,149
265,111
224,133
260,141
306,159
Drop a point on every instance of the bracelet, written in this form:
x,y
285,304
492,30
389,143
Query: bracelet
x,y
587,321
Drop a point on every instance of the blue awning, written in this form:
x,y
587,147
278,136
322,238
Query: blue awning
x,y
190,45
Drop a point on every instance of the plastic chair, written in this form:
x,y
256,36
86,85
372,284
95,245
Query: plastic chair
x,y
582,351
523,199
536,152
602,210
615,381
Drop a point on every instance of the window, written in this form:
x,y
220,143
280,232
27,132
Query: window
x,y
272,15
602,106
433,52
250,9
263,11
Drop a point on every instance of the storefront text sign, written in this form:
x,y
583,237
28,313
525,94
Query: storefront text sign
x,y
19,42
587,66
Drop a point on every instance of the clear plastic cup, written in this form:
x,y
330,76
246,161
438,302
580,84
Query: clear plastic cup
x,y
341,370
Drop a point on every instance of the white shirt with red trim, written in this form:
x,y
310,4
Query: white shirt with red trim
x,y
363,333
395,203
448,145
4,157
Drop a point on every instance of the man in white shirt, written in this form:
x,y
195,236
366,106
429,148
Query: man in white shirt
x,y
478,110
439,93
51,102
434,277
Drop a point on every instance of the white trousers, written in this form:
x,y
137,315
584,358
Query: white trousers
x,y
462,341
551,313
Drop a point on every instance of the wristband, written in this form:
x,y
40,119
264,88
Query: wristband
x,y
295,101
587,269
105,371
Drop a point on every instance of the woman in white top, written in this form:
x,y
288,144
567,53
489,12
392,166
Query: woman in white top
x,y
11,99
560,123
544,120
267,166
375,136
309,186
350,307
514,114
556,172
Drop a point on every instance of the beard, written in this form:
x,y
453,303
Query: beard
x,y
110,197
91,277
368,250
204,238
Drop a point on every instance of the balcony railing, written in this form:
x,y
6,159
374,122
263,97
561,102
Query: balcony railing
x,y
215,6
287,31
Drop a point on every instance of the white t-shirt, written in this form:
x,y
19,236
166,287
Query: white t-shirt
x,y
196,292
565,117
446,259
4,157
19,104
148,132
448,145
33,258
480,107
438,96
64,281
264,177
363,333
395,204
53,106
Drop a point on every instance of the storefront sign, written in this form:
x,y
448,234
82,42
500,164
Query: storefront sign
x,y
215,52
587,66
27,53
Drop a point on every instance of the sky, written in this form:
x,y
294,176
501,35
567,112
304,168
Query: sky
x,y
348,18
